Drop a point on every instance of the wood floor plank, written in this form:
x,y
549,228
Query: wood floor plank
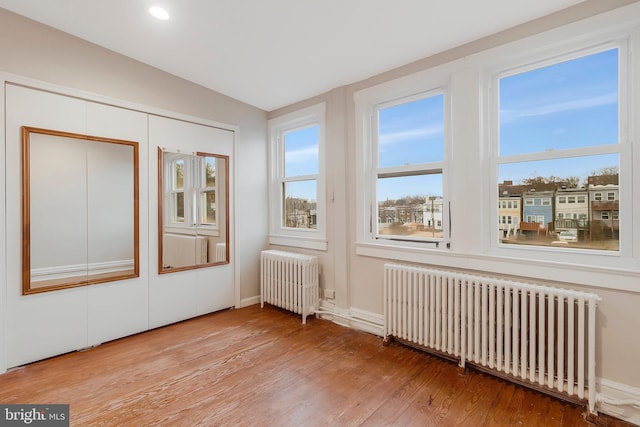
x,y
262,367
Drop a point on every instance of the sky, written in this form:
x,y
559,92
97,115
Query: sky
x,y
568,105
301,158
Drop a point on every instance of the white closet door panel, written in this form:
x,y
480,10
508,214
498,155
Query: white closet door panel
x,y
215,293
181,295
37,326
173,297
118,309
44,325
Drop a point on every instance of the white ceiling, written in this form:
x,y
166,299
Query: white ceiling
x,y
272,53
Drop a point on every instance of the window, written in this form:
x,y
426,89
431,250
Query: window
x,y
402,154
297,179
192,192
409,152
208,206
558,126
177,191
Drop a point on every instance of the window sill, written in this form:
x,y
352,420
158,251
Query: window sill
x,y
299,242
621,277
192,231
408,252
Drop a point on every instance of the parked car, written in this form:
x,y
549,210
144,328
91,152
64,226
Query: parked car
x,y
568,236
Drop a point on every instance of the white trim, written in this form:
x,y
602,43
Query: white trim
x,y
618,400
75,270
9,78
370,100
579,274
234,231
246,302
355,318
298,242
512,63
313,115
3,234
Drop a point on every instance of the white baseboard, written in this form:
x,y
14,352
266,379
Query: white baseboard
x,y
618,400
352,318
75,270
249,301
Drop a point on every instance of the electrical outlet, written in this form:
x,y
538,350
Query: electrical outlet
x,y
329,293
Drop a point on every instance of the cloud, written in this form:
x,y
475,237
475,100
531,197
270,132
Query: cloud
x,y
559,107
410,135
302,155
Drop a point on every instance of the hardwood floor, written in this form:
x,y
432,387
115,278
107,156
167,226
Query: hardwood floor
x,y
263,367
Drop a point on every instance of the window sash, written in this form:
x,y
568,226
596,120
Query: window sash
x,y
621,149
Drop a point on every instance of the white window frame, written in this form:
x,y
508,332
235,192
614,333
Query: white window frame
x,y
192,189
202,189
522,62
368,102
278,233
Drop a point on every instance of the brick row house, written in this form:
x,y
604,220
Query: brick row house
x,y
590,212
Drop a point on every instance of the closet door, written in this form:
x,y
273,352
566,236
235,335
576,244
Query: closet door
x,y
66,175
185,293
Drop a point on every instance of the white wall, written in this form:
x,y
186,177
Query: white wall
x,y
358,283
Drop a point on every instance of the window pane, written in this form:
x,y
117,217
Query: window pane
x,y
411,133
563,203
301,151
410,206
210,172
178,175
566,105
208,207
300,204
178,205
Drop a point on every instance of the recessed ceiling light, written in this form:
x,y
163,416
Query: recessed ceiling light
x,y
159,13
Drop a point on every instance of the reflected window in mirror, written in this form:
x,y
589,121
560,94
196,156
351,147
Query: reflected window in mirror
x,y
193,195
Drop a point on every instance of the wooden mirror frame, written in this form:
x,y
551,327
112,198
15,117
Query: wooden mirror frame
x,y
87,279
162,267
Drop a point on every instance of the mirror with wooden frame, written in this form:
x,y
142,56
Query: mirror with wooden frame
x,y
80,203
193,211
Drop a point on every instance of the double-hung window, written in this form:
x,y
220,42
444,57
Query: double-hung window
x,y
192,202
559,127
297,188
403,153
409,168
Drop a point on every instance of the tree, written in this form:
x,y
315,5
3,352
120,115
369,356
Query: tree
x,y
609,170
569,182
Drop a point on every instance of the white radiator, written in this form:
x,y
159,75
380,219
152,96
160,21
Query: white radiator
x,y
290,281
540,336
221,252
182,250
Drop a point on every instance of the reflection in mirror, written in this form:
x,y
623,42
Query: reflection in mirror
x,y
193,211
79,210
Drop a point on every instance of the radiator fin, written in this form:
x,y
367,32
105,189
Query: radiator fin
x,y
543,336
290,281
